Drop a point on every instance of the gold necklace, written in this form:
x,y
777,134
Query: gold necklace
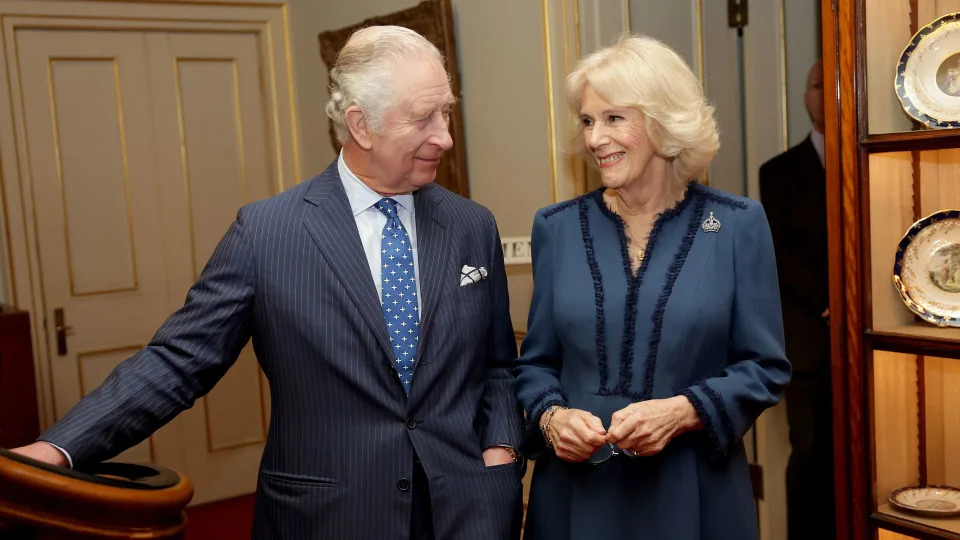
x,y
641,251
641,248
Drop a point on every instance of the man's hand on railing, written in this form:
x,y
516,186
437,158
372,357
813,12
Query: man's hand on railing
x,y
42,451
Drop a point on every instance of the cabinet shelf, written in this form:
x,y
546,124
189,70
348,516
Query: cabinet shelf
x,y
928,139
916,338
887,517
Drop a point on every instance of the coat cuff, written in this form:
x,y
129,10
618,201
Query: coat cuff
x,y
533,443
717,436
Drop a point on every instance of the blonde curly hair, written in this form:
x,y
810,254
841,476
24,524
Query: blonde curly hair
x,y
642,73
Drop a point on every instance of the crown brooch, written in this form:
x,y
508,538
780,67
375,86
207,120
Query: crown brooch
x,y
711,224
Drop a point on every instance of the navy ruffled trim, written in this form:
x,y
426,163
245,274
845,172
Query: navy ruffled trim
x,y
597,292
543,402
633,287
672,273
630,306
716,447
560,207
721,410
719,198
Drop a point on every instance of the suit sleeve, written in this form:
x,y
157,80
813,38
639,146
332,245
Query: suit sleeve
x,y
182,362
757,370
538,368
501,410
799,276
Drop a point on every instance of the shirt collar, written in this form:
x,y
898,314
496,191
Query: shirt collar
x,y
360,195
817,139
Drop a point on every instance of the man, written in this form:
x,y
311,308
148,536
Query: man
x,y
793,193
377,304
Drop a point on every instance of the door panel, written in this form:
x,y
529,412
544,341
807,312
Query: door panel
x,y
85,98
216,149
143,146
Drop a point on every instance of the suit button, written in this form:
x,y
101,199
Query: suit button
x,y
403,484
411,423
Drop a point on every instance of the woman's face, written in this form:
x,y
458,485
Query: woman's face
x,y
616,138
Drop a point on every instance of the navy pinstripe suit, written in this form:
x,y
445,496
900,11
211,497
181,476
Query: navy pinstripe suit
x,y
291,274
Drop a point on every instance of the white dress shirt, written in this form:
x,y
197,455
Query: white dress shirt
x,y
817,139
370,222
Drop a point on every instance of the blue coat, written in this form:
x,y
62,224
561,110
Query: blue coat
x,y
701,318
291,274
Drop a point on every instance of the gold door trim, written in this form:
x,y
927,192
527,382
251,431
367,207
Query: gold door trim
x,y
700,54
184,158
551,127
199,3
294,123
629,16
23,264
241,444
124,165
579,176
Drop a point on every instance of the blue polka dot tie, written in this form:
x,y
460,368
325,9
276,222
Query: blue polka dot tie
x,y
399,291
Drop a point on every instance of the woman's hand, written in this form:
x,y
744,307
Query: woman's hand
x,y
576,434
646,427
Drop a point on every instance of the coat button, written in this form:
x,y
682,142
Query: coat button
x,y
403,484
411,423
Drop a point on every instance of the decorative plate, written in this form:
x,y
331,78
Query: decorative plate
x,y
929,501
926,269
928,74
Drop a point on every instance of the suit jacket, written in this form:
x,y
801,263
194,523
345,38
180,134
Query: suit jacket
x,y
793,193
291,274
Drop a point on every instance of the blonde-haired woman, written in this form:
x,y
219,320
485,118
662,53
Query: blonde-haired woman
x,y
655,336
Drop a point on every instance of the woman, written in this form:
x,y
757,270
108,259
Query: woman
x,y
655,336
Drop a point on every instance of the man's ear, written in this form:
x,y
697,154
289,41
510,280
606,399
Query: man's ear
x,y
356,122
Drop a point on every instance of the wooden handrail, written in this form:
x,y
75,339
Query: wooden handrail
x,y
54,499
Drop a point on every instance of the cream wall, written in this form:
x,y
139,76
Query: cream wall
x,y
502,76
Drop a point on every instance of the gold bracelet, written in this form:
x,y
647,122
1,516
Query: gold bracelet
x,y
546,426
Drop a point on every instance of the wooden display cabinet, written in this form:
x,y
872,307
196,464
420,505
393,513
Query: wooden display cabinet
x,y
896,379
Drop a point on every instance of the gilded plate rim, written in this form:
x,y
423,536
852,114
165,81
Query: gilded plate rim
x,y
911,303
927,512
898,81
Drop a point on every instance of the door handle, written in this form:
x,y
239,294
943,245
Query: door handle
x,y
62,331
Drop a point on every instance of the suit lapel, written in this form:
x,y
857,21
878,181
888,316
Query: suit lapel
x,y
333,228
434,254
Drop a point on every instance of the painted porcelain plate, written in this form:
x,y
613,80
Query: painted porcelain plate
x,y
928,74
929,501
926,270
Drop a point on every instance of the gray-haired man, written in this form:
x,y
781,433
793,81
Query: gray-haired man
x,y
393,412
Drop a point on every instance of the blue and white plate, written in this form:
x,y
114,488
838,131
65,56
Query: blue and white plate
x,y
926,269
928,74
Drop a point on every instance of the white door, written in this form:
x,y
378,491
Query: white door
x,y
142,146
214,156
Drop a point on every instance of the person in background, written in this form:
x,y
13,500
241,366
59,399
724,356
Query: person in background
x,y
794,193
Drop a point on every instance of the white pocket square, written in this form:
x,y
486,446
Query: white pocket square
x,y
469,275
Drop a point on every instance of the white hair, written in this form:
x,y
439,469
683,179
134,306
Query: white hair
x,y
644,74
364,71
